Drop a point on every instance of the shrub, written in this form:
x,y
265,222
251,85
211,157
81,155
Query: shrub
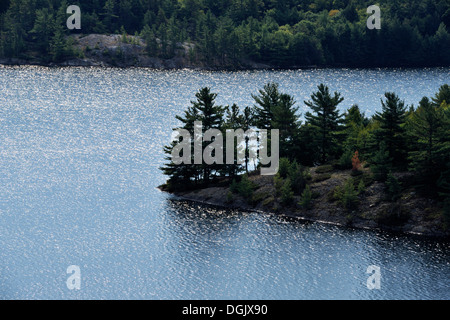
x,y
287,195
347,195
245,187
283,167
234,186
380,164
306,198
393,187
297,177
258,197
307,174
229,197
268,201
361,186
345,161
324,169
322,177
394,215
278,183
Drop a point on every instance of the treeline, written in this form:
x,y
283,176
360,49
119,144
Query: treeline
x,y
284,33
396,139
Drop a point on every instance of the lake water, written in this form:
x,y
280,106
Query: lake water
x,y
79,157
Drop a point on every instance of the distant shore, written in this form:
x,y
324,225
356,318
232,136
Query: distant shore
x,y
411,214
99,50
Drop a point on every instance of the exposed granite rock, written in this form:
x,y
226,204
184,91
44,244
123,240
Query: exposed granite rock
x,y
412,213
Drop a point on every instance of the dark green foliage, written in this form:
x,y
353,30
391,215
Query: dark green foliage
x,y
347,195
287,195
245,188
391,131
421,133
424,126
393,187
306,198
285,118
443,95
297,175
345,161
227,33
322,177
266,102
380,163
326,120
290,180
283,168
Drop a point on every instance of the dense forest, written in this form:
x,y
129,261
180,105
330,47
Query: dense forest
x,y
282,33
398,139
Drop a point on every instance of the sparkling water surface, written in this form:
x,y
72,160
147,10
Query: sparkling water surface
x,y
79,155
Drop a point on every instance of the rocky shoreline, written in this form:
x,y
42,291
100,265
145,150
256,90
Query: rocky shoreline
x,y
411,214
98,50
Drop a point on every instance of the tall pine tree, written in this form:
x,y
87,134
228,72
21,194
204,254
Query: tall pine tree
x,y
266,101
391,131
424,126
326,120
286,119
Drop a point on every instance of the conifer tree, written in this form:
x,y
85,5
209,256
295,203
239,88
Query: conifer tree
x,y
380,163
285,119
211,116
391,131
326,120
424,126
443,95
266,102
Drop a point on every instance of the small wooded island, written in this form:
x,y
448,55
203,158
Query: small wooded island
x,y
390,172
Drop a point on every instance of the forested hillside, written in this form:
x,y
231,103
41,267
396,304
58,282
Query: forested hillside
x,y
282,33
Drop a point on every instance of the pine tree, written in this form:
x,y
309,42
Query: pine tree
x,y
58,44
43,30
393,187
182,176
424,126
211,116
266,102
391,132
150,41
285,119
443,95
233,121
354,123
380,163
287,195
306,198
326,120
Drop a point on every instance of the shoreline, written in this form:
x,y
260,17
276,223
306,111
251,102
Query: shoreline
x,y
424,215
168,66
443,236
